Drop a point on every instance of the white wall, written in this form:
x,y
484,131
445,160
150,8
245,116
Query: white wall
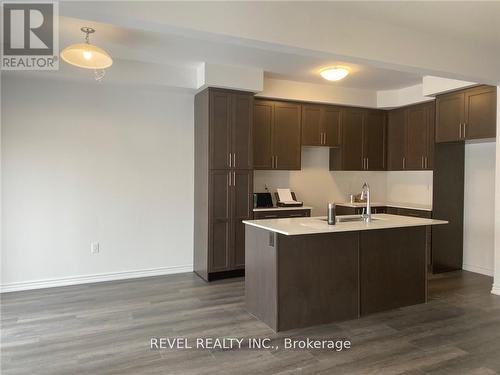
x,y
479,211
496,284
319,93
409,187
432,86
401,97
315,185
94,162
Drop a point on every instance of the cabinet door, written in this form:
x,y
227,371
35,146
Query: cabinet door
x,y
220,129
242,204
396,139
311,118
374,133
417,128
352,139
480,109
262,130
330,126
241,131
450,114
220,220
431,121
286,136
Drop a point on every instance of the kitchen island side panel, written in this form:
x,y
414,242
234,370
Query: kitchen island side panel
x,y
392,268
317,279
261,275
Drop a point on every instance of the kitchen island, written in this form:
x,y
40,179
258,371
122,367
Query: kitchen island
x,y
302,272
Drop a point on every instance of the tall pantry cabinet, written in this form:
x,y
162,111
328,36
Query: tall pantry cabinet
x,y
223,189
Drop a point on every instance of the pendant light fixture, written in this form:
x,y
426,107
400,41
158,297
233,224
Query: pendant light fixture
x,y
86,55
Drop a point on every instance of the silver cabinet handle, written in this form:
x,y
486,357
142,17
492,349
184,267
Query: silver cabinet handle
x,y
234,178
229,183
367,163
404,162
464,130
460,131
234,159
229,159
422,162
324,139
276,161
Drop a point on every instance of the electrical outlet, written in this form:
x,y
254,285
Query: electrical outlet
x,y
94,247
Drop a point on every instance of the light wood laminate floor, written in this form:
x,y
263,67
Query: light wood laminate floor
x,y
106,328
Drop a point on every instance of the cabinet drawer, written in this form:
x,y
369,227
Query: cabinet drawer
x,y
280,214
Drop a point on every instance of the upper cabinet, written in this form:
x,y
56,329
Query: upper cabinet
x,y
466,114
396,139
321,125
363,141
374,140
410,137
230,130
277,132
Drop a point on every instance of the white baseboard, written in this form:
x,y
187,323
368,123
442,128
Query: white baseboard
x,y
86,279
477,269
495,289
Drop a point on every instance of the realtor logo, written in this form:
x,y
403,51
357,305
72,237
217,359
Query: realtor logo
x,y
30,36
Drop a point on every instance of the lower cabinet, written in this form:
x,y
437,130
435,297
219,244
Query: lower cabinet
x,y
347,210
230,203
281,213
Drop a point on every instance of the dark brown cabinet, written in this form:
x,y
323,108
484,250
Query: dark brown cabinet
x,y
352,140
277,132
280,213
363,141
231,130
321,125
448,204
223,189
466,114
396,139
230,203
374,135
480,113
410,137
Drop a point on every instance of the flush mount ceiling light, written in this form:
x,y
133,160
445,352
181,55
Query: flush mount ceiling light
x,y
86,55
335,73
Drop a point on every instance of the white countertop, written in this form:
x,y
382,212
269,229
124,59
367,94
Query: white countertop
x,y
282,208
314,225
411,206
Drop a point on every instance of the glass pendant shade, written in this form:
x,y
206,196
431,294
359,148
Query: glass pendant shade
x,y
85,55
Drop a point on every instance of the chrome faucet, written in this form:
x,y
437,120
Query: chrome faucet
x,y
365,194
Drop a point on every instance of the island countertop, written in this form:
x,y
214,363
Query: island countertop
x,y
314,225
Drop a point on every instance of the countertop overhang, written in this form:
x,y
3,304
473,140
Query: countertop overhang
x,y
315,225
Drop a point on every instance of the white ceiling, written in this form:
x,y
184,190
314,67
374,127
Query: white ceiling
x,y
149,46
477,21
175,50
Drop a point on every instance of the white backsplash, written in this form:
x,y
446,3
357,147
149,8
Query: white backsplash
x,y
315,185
